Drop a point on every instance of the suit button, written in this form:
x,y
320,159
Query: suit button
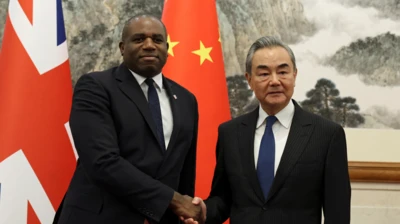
x,y
264,208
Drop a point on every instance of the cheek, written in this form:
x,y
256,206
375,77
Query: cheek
x,y
260,89
162,50
131,52
289,89
164,55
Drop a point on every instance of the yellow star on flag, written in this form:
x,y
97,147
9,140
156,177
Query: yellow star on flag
x,y
171,46
204,53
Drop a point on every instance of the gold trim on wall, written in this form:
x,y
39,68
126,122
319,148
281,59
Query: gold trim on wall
x,y
377,172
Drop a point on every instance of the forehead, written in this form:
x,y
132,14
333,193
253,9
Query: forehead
x,y
273,56
147,25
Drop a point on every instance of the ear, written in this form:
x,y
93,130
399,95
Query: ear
x,y
295,76
167,49
121,48
248,77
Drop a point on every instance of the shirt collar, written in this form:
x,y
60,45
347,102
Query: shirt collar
x,y
157,79
284,116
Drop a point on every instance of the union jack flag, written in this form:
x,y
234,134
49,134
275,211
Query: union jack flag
x,y
37,156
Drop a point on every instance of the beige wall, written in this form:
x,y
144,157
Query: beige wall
x,y
374,203
373,145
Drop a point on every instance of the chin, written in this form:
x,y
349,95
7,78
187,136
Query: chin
x,y
151,70
277,103
276,99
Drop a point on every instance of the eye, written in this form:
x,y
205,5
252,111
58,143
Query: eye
x,y
138,39
282,72
263,74
158,40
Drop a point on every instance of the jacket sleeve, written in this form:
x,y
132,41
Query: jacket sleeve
x,y
188,173
96,141
220,199
337,190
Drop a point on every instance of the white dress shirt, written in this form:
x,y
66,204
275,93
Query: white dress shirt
x,y
166,112
280,129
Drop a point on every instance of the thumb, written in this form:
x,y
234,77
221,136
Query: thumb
x,y
196,200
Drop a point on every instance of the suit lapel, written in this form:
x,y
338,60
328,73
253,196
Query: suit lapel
x,y
130,87
246,132
299,134
175,104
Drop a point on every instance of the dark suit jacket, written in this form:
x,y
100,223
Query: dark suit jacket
x,y
312,175
123,175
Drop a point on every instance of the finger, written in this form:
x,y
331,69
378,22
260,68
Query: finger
x,y
189,221
188,197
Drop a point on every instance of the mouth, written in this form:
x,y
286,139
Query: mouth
x,y
149,56
274,93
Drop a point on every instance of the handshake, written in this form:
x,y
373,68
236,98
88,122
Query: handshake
x,y
189,210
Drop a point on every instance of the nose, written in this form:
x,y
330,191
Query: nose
x,y
148,44
274,80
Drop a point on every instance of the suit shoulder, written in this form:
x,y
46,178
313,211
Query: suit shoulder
x,y
97,79
233,123
322,121
100,75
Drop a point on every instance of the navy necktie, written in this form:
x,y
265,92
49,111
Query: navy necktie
x,y
266,157
155,109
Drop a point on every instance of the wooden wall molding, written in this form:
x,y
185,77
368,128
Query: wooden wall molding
x,y
376,172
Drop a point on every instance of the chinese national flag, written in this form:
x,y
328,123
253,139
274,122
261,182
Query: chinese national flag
x,y
36,154
195,61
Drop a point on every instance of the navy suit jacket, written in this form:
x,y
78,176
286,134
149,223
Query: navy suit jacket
x,y
123,175
312,175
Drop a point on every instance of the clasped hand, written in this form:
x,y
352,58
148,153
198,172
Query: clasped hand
x,y
189,210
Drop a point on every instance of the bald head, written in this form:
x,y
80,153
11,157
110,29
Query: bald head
x,y
144,45
125,30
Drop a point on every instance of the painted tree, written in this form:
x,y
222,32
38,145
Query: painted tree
x,y
324,100
321,98
239,94
347,112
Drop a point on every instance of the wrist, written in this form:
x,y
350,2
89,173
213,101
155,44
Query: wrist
x,y
176,200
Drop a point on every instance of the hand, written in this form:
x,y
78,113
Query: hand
x,y
183,207
198,202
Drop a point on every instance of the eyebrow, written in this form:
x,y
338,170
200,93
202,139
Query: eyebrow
x,y
156,35
284,65
153,35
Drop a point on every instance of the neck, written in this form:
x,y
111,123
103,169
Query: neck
x,y
143,73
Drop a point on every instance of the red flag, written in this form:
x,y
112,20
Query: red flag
x,y
195,61
36,154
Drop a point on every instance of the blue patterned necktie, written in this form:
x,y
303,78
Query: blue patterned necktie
x,y
155,109
266,157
